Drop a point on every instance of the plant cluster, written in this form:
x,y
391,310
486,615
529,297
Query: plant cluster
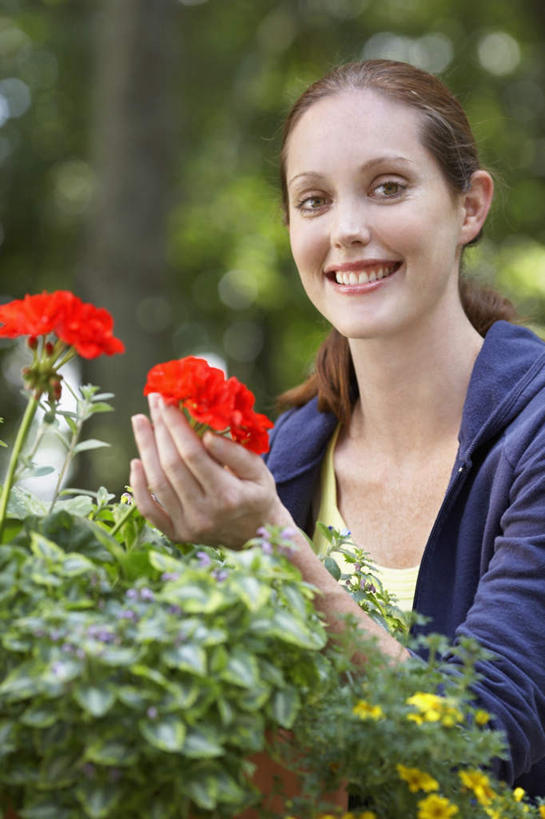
x,y
140,677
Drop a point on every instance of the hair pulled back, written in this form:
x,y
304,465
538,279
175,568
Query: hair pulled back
x,y
446,133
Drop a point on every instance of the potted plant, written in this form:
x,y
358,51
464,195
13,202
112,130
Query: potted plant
x,y
139,677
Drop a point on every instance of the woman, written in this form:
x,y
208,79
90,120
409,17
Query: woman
x,y
434,435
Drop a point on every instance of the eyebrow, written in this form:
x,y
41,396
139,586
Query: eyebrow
x,y
369,165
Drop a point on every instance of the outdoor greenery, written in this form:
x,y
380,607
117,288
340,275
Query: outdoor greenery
x,y
140,677
138,154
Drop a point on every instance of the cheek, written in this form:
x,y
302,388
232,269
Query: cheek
x,y
307,246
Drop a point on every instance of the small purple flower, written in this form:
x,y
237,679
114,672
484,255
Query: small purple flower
x,y
105,636
368,587
80,653
131,594
267,547
152,712
220,575
346,533
204,559
357,567
146,594
288,533
174,610
55,634
58,669
127,614
170,576
68,648
263,533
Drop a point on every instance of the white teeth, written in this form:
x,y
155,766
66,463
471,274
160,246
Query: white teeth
x,y
363,277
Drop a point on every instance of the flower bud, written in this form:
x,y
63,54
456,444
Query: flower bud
x,y
32,342
49,348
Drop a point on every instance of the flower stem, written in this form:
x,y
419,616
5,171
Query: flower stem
x,y
22,434
123,519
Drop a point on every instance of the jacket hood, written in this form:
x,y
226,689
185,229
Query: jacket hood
x,y
508,372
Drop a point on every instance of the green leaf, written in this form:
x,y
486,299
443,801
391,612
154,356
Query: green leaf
x,y
95,700
22,503
202,787
202,743
251,591
241,669
332,567
91,443
101,406
296,632
166,733
39,716
58,771
284,706
164,563
119,655
98,800
111,752
45,548
75,564
187,657
81,505
22,682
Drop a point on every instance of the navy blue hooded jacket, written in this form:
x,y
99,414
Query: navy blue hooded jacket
x,y
483,569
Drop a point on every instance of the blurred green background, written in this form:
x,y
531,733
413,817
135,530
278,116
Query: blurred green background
x,y
138,167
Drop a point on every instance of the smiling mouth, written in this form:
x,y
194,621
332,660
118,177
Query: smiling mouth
x,y
372,274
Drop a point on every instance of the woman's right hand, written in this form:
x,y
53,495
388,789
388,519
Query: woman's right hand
x,y
208,490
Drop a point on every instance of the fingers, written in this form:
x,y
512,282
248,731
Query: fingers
x,y
148,507
154,479
246,465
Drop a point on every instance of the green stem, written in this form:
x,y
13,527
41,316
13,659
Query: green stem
x,y
22,434
126,515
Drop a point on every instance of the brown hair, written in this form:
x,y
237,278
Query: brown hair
x,y
447,135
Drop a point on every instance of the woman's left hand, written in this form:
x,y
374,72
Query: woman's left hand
x,y
208,490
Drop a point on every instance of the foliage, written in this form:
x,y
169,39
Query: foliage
x,y
226,283
138,680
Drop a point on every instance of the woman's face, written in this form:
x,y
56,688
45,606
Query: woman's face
x,y
375,231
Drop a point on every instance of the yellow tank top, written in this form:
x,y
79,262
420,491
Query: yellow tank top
x,y
400,582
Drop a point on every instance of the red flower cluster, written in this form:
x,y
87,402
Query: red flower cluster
x,y
222,404
87,328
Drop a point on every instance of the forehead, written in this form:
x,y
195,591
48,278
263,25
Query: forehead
x,y
355,124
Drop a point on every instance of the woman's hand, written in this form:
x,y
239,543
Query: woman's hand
x,y
208,490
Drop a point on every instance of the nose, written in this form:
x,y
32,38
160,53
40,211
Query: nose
x,y
350,225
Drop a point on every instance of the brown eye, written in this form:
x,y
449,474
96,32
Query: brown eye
x,y
311,203
389,189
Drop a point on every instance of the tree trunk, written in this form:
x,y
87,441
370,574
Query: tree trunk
x,y
125,266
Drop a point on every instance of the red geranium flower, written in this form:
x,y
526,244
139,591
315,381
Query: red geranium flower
x,y
220,404
87,328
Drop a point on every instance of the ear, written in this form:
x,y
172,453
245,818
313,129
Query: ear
x,y
475,205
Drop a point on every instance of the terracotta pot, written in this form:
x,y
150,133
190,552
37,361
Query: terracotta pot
x,y
269,774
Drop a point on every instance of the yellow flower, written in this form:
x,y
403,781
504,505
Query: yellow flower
x,y
519,794
493,813
365,710
436,807
479,783
542,811
367,814
348,816
433,708
481,717
417,780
